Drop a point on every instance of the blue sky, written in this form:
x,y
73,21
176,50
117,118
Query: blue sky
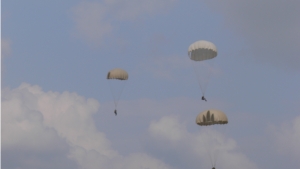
x,y
57,109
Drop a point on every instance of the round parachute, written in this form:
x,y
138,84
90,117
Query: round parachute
x,y
117,73
201,53
209,120
117,78
202,50
211,117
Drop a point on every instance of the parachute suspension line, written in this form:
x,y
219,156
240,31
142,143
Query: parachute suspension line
x,y
214,151
217,151
211,152
112,93
121,92
198,78
118,95
210,72
216,157
210,157
205,79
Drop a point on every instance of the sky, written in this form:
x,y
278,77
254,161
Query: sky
x,y
57,107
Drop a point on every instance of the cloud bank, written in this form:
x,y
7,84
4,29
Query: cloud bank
x,y
57,130
37,126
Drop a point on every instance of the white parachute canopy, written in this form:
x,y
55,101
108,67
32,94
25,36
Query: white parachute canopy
x,y
202,54
117,73
202,50
211,117
117,78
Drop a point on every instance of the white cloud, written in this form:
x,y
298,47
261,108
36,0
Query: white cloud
x,y
167,128
52,124
287,137
197,146
94,20
43,124
270,28
23,126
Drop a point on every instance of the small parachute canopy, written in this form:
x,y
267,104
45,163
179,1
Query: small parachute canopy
x,y
202,50
117,73
211,117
